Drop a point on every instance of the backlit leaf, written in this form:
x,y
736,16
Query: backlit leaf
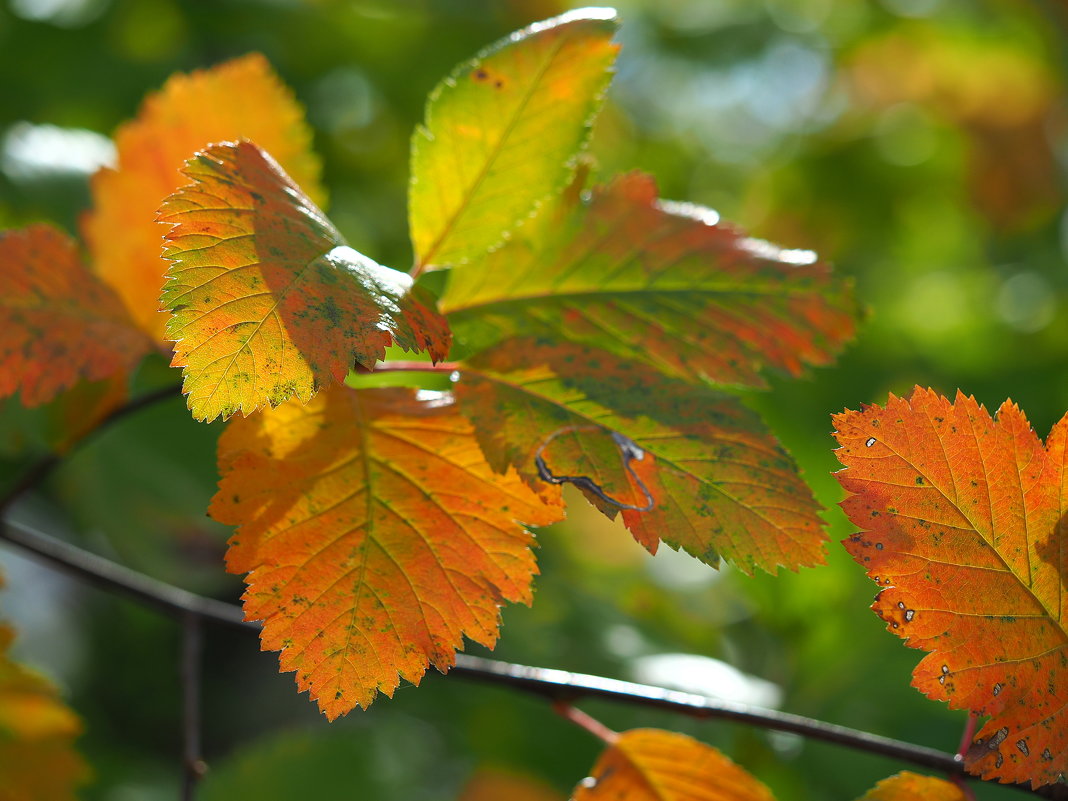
x,y
37,731
720,484
242,98
58,322
962,527
375,535
661,283
906,786
267,300
655,765
502,132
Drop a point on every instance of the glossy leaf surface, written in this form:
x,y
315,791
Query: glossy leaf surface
x,y
907,786
38,761
501,134
655,765
661,283
375,535
242,98
720,483
267,301
962,527
59,323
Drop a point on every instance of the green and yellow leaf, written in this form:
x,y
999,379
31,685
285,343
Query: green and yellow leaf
x,y
502,133
267,301
242,98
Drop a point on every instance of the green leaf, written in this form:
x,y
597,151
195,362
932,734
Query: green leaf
x,y
660,283
267,300
502,133
720,484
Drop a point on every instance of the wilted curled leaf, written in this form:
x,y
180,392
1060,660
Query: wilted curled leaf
x,y
962,520
710,478
242,98
267,300
655,765
37,731
664,284
375,535
58,322
906,786
502,132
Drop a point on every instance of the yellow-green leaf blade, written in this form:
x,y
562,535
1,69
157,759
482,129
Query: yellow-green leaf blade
x,y
267,301
501,134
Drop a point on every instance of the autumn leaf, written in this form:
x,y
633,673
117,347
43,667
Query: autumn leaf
x,y
37,732
718,482
375,536
242,98
660,283
962,527
655,765
268,302
59,323
502,133
495,784
906,786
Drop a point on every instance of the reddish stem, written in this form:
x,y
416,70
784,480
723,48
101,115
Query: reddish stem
x,y
965,743
587,722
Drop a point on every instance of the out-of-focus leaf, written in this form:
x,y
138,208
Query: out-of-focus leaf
x,y
375,536
963,527
494,784
37,731
242,98
655,765
58,322
502,132
907,786
659,283
720,484
267,301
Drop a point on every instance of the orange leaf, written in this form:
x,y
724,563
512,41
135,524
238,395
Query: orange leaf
x,y
906,786
58,322
719,484
962,528
37,731
660,283
242,98
268,302
655,765
493,784
375,536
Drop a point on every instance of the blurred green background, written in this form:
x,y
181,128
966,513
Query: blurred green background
x,y
920,145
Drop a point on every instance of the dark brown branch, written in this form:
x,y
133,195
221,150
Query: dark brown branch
x,y
193,766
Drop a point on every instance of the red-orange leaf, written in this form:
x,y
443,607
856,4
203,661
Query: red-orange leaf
x,y
962,528
267,300
684,464
242,98
58,322
655,765
661,283
906,786
375,535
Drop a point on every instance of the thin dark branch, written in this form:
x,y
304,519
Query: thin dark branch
x,y
192,648
41,469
